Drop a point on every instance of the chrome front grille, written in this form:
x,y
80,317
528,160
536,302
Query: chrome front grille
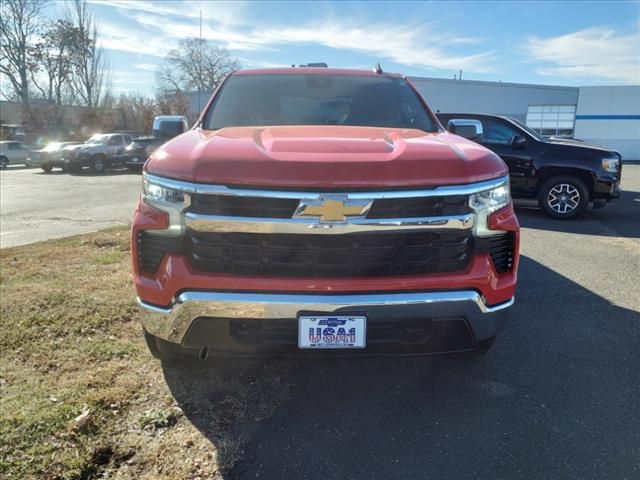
x,y
276,233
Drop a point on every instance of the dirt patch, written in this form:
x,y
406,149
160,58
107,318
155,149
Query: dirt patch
x,y
81,397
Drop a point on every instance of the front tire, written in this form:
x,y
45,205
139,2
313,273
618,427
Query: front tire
x,y
98,165
47,168
563,197
4,162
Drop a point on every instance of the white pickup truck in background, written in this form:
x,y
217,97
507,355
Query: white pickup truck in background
x,y
98,153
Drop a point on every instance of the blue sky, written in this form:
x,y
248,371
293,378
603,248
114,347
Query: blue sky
x,y
559,43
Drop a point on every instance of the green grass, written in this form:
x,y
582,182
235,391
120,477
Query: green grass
x,y
109,258
71,343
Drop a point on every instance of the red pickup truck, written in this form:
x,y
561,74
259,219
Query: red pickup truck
x,y
311,210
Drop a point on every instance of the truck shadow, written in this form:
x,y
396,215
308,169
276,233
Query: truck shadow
x,y
555,398
620,218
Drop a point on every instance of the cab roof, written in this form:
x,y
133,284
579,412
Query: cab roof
x,y
315,71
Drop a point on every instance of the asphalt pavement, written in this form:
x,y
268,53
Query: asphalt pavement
x,y
37,206
558,396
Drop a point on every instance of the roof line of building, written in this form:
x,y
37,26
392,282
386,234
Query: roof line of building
x,y
492,83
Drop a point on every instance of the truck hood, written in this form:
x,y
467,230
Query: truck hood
x,y
324,157
82,146
571,142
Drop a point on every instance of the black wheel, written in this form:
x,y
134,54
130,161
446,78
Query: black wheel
x,y
98,165
563,197
4,162
47,168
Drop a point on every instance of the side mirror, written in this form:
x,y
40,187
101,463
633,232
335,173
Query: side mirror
x,y
519,141
467,128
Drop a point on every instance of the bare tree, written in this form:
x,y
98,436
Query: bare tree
x,y
60,45
20,21
196,64
134,112
90,78
172,103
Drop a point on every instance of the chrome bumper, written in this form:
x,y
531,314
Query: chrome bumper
x,y
172,323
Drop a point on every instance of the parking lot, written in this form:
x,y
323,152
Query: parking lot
x,y
37,206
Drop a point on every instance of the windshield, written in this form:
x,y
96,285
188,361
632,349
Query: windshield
x,y
303,99
97,139
530,131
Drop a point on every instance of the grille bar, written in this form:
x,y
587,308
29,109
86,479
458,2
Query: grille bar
x,y
152,248
349,255
501,251
260,207
419,207
280,208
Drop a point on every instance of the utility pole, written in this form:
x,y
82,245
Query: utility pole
x,y
200,65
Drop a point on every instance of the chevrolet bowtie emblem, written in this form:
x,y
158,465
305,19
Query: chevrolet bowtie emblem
x,y
333,208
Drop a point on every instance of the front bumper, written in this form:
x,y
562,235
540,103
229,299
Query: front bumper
x,y
606,186
76,161
44,160
215,320
135,160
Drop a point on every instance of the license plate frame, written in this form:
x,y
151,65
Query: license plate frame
x,y
325,340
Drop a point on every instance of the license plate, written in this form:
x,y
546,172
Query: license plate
x,y
332,332
135,159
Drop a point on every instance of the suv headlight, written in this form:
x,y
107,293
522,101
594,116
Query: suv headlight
x,y
491,200
160,193
611,165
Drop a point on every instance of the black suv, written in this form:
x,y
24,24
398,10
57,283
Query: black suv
x,y
165,127
564,175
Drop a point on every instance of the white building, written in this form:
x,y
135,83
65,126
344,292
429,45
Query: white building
x,y
604,115
610,116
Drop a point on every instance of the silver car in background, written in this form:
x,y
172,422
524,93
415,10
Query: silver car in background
x,y
50,156
13,152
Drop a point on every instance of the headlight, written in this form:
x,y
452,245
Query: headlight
x,y
491,200
611,164
160,193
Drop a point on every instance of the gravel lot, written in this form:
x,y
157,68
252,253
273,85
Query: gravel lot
x,y
37,206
